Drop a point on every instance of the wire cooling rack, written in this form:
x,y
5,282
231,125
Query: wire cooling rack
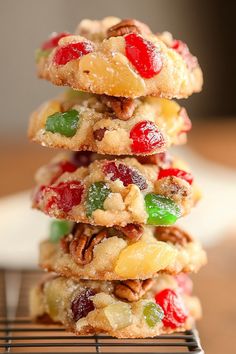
x,y
19,335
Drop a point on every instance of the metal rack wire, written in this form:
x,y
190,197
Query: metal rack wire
x,y
19,335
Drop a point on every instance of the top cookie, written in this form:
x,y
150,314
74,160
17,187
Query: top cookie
x,y
120,58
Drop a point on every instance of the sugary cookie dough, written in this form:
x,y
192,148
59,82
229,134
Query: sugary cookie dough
x,y
114,192
125,59
132,252
130,309
109,125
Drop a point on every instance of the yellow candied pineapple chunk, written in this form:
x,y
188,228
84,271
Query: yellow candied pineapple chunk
x,y
118,315
38,118
48,109
169,108
169,116
143,259
53,291
111,75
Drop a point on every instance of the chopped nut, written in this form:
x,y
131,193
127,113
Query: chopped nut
x,y
114,202
135,204
132,290
122,107
81,246
99,133
173,187
172,234
132,231
128,26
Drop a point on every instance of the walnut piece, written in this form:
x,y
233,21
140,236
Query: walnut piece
x,y
172,234
128,26
81,246
132,290
121,106
173,187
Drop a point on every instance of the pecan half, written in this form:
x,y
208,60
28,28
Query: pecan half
x,y
132,231
121,106
81,247
65,243
128,26
132,290
172,234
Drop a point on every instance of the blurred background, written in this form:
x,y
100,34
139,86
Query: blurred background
x,y
209,30
207,27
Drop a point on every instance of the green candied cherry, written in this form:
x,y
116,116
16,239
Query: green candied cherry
x,y
97,193
161,210
152,313
39,53
63,123
58,229
48,45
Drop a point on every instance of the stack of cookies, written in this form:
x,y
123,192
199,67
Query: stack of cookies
x,y
118,262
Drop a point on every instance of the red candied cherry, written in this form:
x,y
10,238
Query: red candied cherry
x,y
183,50
67,166
166,172
72,51
143,55
175,313
185,283
146,137
52,42
63,166
67,195
125,174
82,304
38,194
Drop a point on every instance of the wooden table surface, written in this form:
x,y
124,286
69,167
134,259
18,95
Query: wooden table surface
x,y
215,284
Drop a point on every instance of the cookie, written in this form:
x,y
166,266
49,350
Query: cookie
x,y
109,125
113,192
82,251
125,60
129,309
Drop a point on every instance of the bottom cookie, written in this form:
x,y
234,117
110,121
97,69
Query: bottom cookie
x,y
128,309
